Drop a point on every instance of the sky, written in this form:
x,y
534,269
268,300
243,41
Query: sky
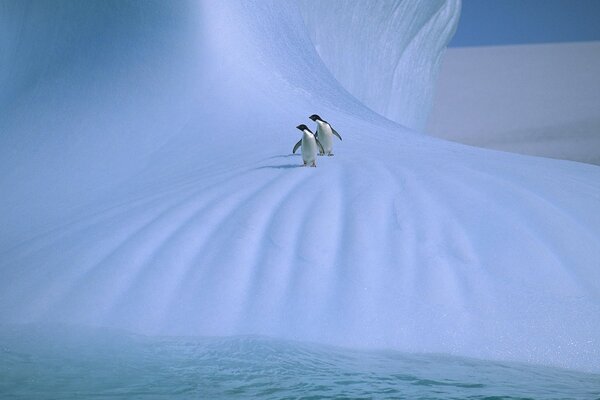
x,y
504,22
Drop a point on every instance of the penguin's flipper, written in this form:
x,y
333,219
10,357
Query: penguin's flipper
x,y
320,146
335,133
296,146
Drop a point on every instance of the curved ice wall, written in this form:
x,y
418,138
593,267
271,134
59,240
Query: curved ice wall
x,y
386,53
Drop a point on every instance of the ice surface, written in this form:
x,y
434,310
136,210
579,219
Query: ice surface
x,y
148,185
386,53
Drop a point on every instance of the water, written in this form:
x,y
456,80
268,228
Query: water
x,y
68,363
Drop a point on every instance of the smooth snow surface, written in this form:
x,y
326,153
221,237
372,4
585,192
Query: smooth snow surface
x,y
386,53
149,185
542,100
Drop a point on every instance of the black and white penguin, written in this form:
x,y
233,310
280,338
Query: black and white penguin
x,y
325,134
309,144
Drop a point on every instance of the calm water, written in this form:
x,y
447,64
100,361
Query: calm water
x,y
61,363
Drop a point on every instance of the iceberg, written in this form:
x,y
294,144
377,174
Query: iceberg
x,y
148,185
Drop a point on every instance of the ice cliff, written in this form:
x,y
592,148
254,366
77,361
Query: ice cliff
x,y
385,53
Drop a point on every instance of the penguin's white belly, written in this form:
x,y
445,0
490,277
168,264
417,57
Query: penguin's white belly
x,y
326,138
309,150
327,143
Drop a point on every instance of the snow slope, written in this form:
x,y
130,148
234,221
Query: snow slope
x,y
532,99
149,186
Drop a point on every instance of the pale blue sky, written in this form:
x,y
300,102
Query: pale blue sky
x,y
498,22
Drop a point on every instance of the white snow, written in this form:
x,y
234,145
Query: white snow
x,y
148,184
541,99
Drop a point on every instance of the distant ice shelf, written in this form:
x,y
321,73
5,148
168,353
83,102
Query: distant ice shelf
x,y
541,100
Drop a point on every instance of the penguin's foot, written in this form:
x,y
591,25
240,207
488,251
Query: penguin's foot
x,y
314,164
330,154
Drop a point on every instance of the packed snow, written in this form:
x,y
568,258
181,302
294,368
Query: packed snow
x,y
148,184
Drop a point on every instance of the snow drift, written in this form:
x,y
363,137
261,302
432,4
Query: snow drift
x,y
148,185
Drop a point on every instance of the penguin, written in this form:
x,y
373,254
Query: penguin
x,y
309,144
325,134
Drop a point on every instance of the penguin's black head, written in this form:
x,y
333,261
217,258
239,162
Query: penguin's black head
x,y
315,117
302,127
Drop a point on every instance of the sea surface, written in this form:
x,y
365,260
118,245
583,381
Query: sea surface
x,y
78,363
